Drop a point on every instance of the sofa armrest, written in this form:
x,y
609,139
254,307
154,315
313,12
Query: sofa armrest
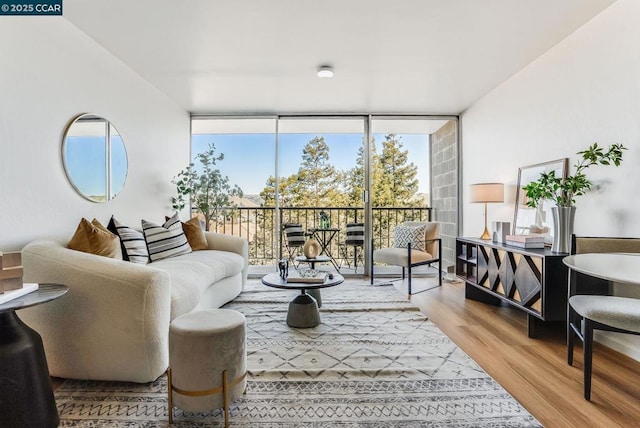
x,y
234,244
113,323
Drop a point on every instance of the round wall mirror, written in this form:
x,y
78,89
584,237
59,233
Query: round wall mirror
x,y
94,157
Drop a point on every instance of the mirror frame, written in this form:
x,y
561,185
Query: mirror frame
x,y
109,131
526,175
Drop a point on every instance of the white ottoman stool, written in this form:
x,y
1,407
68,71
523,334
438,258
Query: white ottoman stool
x,y
207,361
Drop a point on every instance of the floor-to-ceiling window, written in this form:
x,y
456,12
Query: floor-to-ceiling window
x,y
293,168
248,147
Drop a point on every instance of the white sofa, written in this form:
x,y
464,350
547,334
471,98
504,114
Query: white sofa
x,y
113,324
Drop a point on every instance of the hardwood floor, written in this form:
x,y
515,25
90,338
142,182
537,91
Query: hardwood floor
x,y
535,371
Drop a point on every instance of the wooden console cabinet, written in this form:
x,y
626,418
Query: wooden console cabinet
x,y
533,280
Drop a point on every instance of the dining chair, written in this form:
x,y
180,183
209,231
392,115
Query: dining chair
x,y
294,240
354,239
593,309
415,243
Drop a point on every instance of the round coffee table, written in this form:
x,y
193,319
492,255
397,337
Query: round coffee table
x,y
303,309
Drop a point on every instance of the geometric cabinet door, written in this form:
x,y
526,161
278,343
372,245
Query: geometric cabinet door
x,y
515,276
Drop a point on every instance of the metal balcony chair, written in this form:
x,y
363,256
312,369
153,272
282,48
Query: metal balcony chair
x,y
354,239
294,240
416,243
594,310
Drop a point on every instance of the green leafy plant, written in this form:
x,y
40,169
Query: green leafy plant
x,y
206,188
564,190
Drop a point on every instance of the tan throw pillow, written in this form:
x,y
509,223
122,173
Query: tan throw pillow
x,y
195,234
95,239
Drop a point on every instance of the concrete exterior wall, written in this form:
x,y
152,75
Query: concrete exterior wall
x,y
444,187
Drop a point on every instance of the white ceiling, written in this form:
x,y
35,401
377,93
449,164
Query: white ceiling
x,y
390,56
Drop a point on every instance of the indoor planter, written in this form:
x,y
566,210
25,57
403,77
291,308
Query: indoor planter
x,y
563,191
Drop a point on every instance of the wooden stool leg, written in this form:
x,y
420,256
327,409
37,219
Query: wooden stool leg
x,y
225,398
170,400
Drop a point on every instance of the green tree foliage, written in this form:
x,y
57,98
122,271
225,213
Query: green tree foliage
x,y
288,190
317,177
205,187
397,182
319,184
353,181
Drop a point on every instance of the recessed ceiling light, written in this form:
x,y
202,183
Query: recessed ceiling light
x,y
325,71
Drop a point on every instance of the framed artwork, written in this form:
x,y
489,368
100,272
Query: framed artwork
x,y
536,220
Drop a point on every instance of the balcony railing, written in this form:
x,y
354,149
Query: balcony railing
x,y
257,225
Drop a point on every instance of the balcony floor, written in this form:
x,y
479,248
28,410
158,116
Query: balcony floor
x,y
258,271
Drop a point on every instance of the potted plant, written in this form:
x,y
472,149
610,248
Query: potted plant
x,y
564,190
206,188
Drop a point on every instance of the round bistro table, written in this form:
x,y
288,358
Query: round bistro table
x,y
312,262
25,386
303,309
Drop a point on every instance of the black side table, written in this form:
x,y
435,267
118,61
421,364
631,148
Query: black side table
x,y
26,394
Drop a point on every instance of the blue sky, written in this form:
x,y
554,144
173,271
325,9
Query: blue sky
x,y
249,159
86,164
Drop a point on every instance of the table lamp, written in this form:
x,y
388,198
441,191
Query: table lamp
x,y
487,192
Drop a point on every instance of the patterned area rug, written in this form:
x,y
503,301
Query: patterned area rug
x,y
374,361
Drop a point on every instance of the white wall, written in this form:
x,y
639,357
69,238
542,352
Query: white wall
x,y
50,72
585,89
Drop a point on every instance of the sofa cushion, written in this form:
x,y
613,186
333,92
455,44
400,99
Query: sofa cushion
x,y
94,238
192,273
165,241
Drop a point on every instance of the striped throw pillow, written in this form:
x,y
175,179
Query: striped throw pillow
x,y
403,235
355,234
294,234
134,247
165,241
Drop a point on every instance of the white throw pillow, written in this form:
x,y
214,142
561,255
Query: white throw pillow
x,y
403,235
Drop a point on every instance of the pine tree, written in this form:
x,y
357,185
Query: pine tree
x,y
319,184
317,177
287,190
398,181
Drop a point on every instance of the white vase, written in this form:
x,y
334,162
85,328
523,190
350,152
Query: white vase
x,y
562,228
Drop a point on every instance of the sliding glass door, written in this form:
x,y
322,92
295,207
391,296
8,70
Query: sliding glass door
x,y
321,174
401,175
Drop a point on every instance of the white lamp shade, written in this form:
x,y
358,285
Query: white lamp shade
x,y
487,192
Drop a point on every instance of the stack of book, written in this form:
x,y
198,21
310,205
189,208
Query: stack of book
x,y
306,278
534,240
